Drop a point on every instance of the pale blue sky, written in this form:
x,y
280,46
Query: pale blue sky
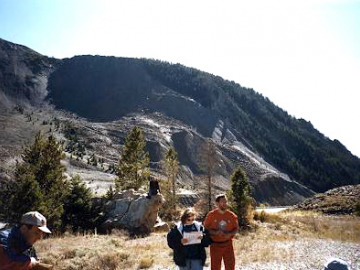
x,y
302,55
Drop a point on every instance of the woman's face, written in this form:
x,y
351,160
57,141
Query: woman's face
x,y
190,220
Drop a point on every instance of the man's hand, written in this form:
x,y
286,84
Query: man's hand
x,y
34,261
229,234
37,265
184,241
42,266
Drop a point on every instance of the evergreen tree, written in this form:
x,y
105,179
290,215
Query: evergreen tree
x,y
78,206
93,160
357,209
39,181
110,194
5,192
24,195
172,167
241,196
132,170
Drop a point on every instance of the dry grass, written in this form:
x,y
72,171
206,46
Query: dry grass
x,y
276,240
108,252
287,238
315,224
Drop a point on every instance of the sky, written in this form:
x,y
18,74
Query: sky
x,y
303,55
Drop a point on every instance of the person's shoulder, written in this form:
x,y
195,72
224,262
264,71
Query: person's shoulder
x,y
199,226
231,213
174,227
172,230
5,233
212,212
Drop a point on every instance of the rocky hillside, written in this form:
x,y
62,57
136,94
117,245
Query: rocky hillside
x,y
91,102
342,200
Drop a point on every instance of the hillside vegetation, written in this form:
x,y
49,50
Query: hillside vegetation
x,y
292,145
95,87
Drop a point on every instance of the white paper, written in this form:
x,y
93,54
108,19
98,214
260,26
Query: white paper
x,y
193,237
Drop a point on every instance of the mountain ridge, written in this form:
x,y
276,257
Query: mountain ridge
x,y
187,106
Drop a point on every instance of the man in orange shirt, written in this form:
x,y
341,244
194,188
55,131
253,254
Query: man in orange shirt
x,y
222,225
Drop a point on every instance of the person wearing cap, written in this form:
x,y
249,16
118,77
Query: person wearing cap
x,y
16,244
336,264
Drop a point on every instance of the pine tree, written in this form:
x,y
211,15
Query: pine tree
x,y
172,167
24,194
133,167
77,206
241,195
39,181
110,194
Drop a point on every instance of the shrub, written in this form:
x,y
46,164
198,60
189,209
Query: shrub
x,y
146,263
357,209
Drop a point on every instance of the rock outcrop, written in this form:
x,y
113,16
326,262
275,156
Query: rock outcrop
x,y
342,200
133,211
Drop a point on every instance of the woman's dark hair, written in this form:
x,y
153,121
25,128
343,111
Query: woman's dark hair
x,y
186,214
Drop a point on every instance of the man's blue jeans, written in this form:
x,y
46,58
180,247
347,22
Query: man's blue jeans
x,y
192,265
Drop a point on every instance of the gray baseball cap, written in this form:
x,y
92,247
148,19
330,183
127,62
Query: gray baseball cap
x,y
336,264
36,219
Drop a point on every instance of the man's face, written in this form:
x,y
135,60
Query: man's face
x,y
222,204
32,235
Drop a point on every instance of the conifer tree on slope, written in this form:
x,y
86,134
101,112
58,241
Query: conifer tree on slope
x,y
241,195
39,181
133,167
78,206
172,167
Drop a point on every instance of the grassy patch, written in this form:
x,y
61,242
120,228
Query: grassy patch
x,y
314,224
273,240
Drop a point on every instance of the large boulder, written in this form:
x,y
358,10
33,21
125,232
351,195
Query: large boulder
x,y
133,211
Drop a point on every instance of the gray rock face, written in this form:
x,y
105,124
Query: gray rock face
x,y
23,75
282,190
133,211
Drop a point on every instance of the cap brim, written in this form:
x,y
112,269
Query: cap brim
x,y
44,229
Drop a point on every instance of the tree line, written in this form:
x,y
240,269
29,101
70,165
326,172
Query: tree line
x,y
39,184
